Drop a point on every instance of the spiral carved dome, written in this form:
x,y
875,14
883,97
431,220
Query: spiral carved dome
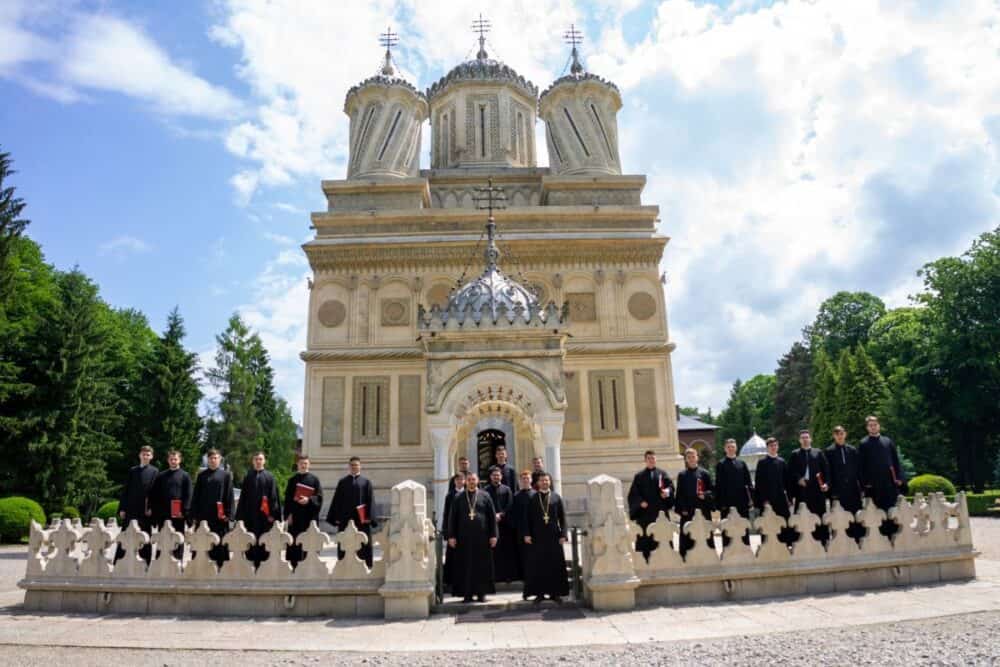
x,y
493,291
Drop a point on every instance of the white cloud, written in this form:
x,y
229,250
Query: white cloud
x,y
280,239
123,246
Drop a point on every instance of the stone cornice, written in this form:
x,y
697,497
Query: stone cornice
x,y
572,349
649,347
623,182
512,215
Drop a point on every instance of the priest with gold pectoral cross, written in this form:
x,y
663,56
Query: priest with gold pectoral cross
x,y
545,537
472,534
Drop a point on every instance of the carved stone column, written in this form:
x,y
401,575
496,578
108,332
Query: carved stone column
x,y
441,442
609,574
409,575
552,437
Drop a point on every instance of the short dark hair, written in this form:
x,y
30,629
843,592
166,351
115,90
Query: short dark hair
x,y
871,418
839,429
770,439
463,458
729,440
213,452
302,457
804,431
498,447
146,448
494,469
542,473
174,452
353,459
536,458
649,452
259,452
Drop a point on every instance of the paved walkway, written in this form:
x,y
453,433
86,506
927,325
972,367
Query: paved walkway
x,y
489,629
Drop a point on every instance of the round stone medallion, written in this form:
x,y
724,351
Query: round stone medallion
x,y
642,305
332,313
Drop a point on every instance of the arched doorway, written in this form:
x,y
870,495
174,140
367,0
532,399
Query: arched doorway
x,y
487,442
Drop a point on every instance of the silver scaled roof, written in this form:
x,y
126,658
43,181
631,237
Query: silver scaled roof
x,y
755,445
493,292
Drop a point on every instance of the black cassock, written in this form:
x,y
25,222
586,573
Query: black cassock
x,y
519,517
546,526
132,501
812,465
770,484
508,477
250,508
733,487
646,486
472,573
844,483
688,502
505,554
352,492
300,516
449,554
211,488
879,464
168,487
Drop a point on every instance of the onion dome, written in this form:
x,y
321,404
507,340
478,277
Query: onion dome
x,y
754,446
493,292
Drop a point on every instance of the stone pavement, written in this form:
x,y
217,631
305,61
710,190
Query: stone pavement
x,y
494,630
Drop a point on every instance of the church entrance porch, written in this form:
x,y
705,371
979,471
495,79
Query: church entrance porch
x,y
487,442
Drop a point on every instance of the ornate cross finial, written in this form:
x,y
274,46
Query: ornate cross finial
x,y
574,38
482,26
388,39
490,199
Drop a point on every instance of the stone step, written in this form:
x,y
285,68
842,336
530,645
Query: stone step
x,y
501,604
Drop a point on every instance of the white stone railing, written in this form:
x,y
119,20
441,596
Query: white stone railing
x,y
933,542
71,568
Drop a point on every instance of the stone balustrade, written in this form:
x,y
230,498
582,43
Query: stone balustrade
x,y
72,568
932,542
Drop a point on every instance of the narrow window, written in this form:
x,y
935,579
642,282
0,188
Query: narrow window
x,y
378,409
445,136
364,130
576,132
482,131
392,131
364,409
614,401
604,134
555,143
519,148
600,403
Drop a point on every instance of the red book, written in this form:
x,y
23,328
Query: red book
x,y
220,511
176,511
663,484
265,506
363,513
700,489
819,478
303,491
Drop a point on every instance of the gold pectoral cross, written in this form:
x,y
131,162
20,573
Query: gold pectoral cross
x,y
472,508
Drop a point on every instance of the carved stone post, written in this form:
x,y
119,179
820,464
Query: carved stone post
x,y
409,575
441,442
610,579
552,434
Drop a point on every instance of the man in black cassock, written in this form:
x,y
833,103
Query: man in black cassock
x,y
132,501
733,487
170,497
519,517
694,493
881,474
472,533
545,538
808,480
651,493
354,492
212,502
457,486
845,485
259,505
505,554
771,487
537,468
303,498
507,475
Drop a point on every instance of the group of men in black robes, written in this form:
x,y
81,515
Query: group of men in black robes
x,y
840,472
152,498
494,534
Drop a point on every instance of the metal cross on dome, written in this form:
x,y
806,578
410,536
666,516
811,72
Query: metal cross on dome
x,y
490,199
482,26
574,38
388,39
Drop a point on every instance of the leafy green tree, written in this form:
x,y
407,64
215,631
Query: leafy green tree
x,y
750,409
825,408
843,321
173,389
793,395
962,297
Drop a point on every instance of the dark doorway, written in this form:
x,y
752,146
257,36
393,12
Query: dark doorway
x,y
486,446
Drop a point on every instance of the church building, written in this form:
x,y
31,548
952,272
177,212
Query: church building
x,y
486,300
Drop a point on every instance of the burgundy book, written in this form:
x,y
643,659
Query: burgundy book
x,y
819,478
265,506
176,511
363,513
220,510
304,491
700,488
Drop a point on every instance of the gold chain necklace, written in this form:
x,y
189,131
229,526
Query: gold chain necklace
x,y
472,506
545,507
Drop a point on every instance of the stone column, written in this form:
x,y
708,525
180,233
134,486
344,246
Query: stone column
x,y
441,442
609,574
552,437
409,576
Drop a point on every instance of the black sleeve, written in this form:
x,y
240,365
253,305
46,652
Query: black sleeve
x,y
824,466
491,519
561,518
451,529
227,496
273,500
186,494
634,498
241,503
289,495
331,514
317,497
369,495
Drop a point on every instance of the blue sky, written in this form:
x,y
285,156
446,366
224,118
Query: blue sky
x,y
174,150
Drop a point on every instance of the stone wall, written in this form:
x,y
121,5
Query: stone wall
x,y
932,543
73,569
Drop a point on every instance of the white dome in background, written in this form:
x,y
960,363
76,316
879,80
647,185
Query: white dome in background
x,y
755,445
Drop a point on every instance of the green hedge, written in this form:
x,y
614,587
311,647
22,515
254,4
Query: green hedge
x,y
931,484
980,503
16,513
107,510
70,512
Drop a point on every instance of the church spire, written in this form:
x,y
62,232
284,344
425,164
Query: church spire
x,y
388,39
574,38
482,26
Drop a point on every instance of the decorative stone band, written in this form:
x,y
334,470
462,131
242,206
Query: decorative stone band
x,y
366,353
932,542
452,319
72,569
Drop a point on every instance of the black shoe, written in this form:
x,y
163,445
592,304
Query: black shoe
x,y
467,598
539,598
481,598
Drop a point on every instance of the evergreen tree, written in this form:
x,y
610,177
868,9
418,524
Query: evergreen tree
x,y
793,392
861,391
279,435
171,383
825,407
12,225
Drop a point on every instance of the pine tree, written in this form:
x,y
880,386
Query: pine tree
x,y
171,383
824,408
793,395
12,225
861,391
278,437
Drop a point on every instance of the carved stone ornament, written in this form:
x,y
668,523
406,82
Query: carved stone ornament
x,y
642,305
332,313
395,312
582,306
